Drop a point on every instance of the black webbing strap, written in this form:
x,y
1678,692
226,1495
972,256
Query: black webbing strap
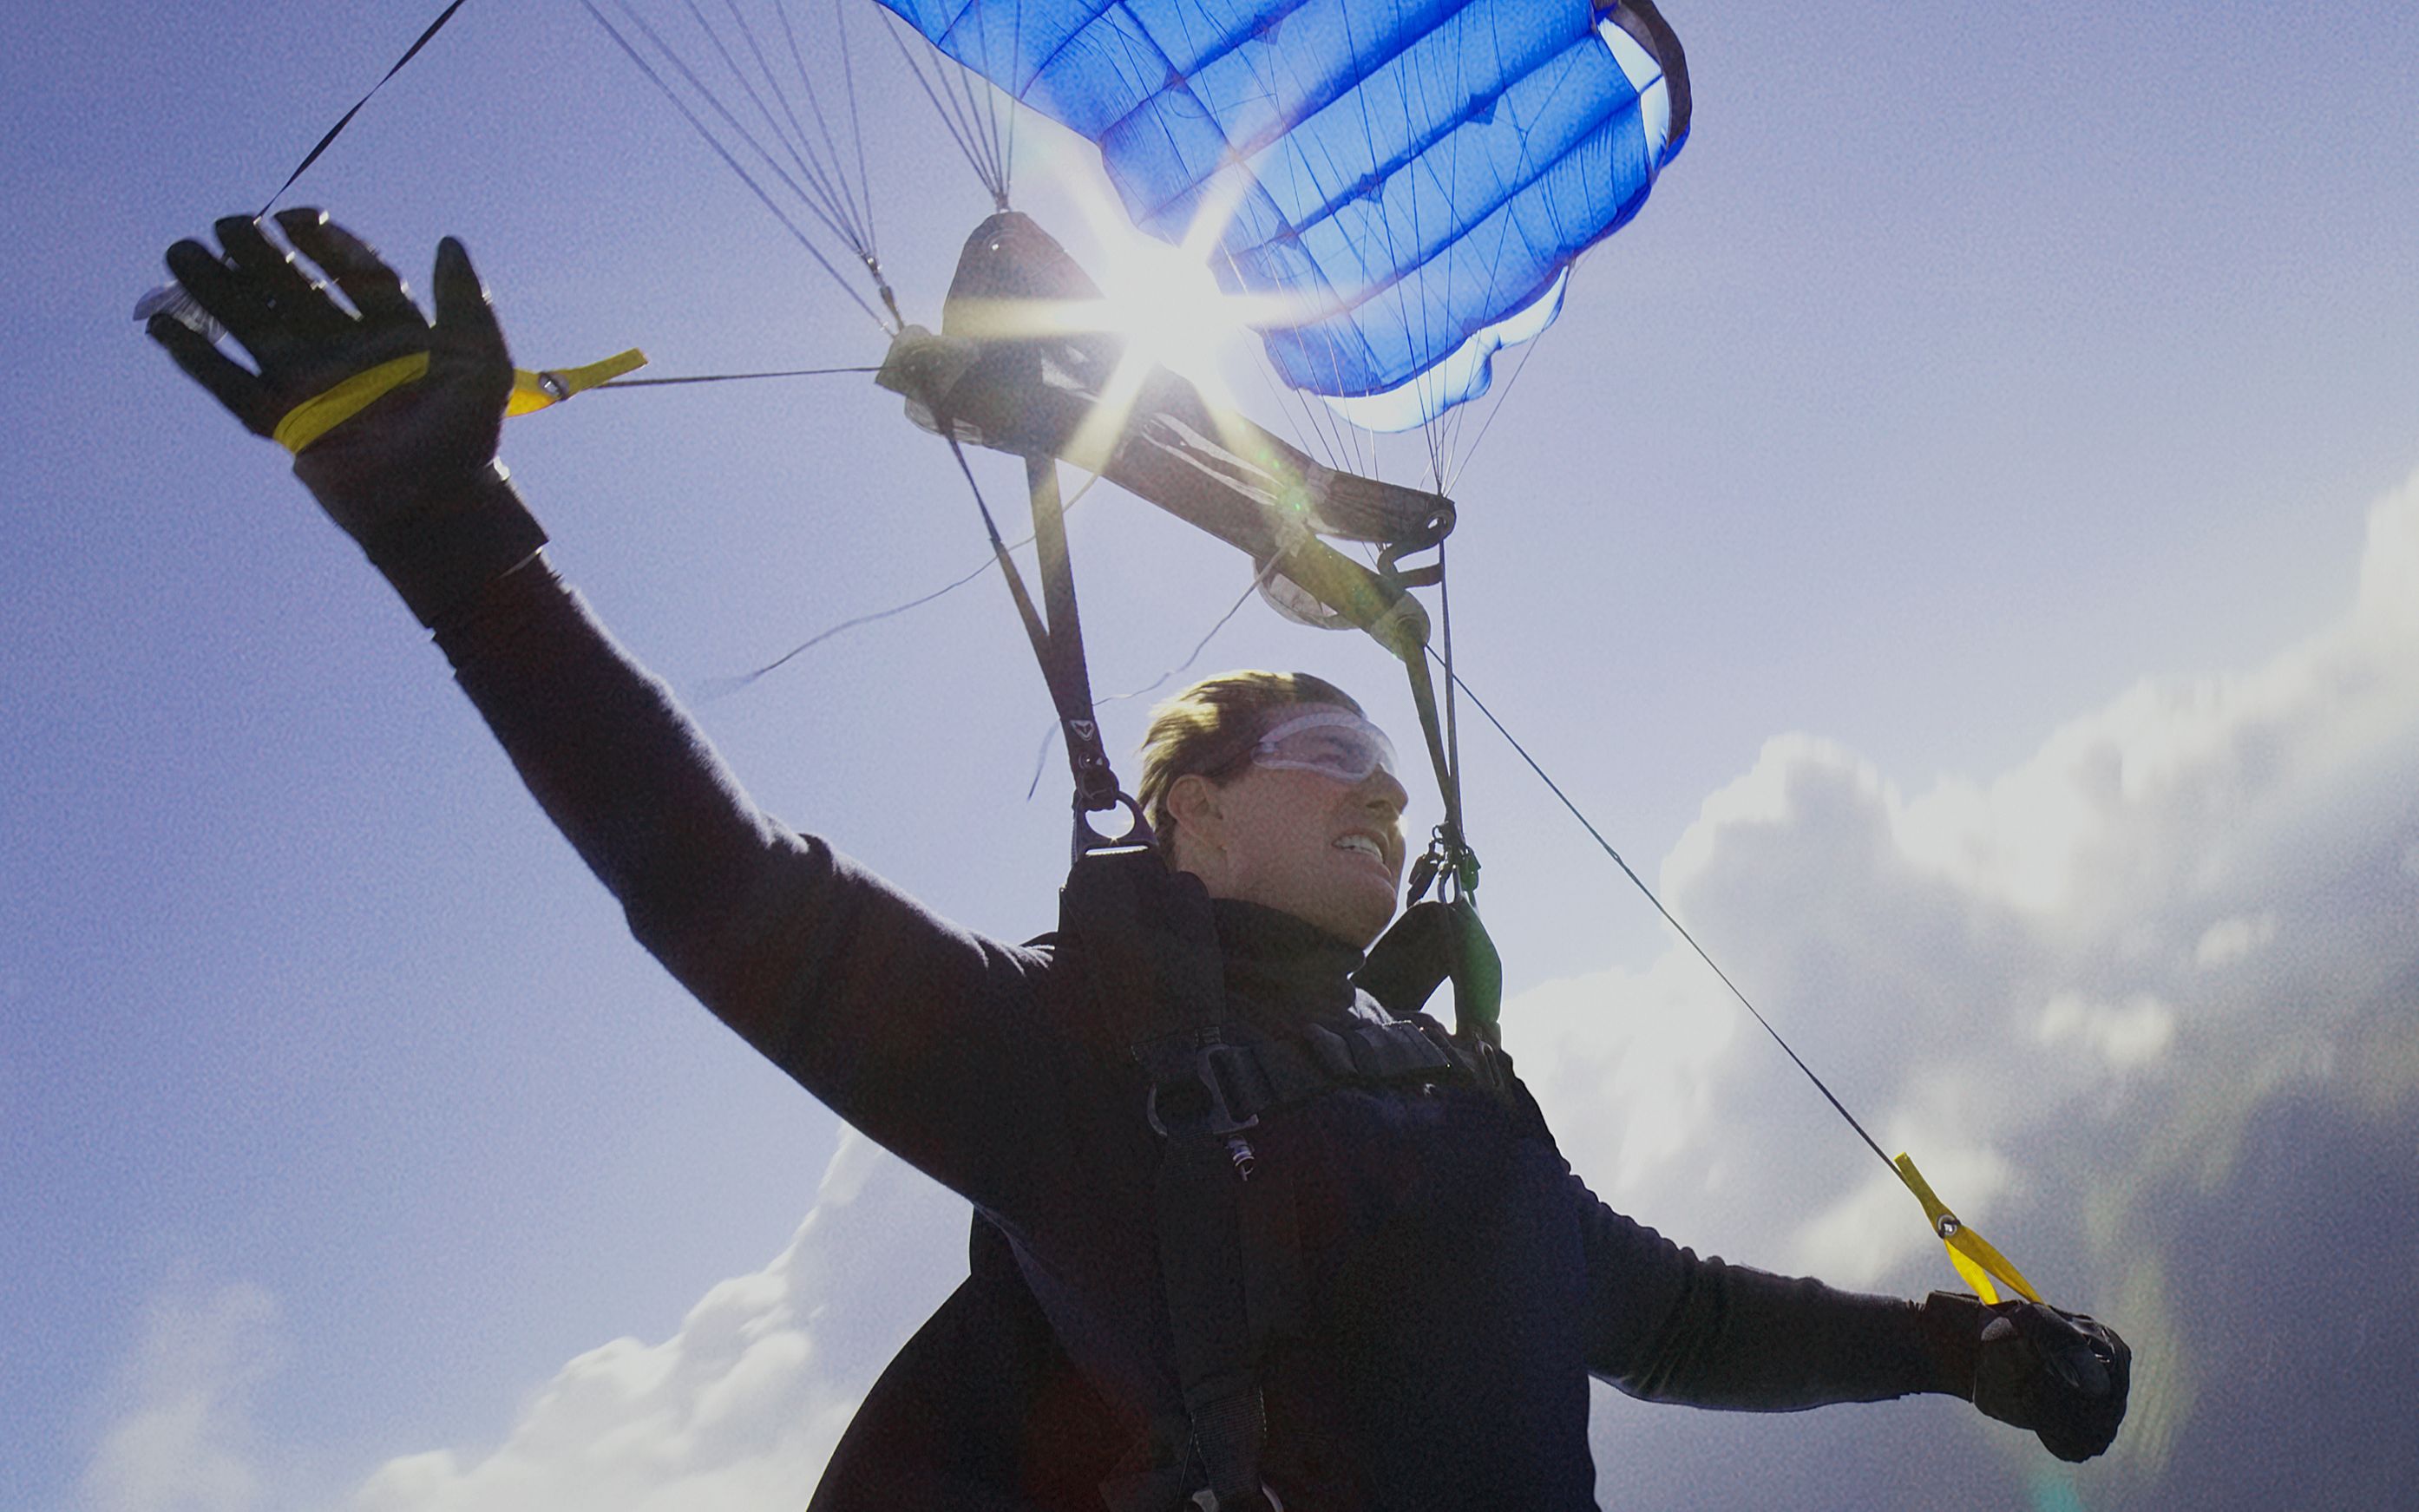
x,y
1228,1249
1058,645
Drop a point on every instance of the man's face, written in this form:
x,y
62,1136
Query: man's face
x,y
1326,851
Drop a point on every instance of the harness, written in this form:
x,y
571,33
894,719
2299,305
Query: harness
x,y
1229,1255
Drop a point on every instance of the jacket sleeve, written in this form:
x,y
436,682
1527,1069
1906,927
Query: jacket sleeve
x,y
923,1035
1664,1325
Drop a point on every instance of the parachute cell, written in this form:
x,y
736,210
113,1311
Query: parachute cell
x,y
1413,176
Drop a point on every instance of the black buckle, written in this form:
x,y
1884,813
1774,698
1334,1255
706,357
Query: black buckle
x,y
1088,839
1218,1068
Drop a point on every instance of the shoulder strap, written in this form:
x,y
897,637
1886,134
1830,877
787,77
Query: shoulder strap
x,y
1431,941
1225,1246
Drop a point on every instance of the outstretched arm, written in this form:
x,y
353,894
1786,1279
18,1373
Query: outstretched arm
x,y
1666,1325
917,1032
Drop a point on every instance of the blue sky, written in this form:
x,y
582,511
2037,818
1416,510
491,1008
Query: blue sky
x,y
1960,542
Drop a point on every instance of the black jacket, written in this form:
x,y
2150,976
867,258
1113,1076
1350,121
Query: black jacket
x,y
1461,1283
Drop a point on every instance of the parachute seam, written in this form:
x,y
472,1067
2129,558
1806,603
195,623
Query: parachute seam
x,y
1317,106
1344,306
1383,174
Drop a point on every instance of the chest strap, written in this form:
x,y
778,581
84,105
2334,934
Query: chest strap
x,y
1234,1083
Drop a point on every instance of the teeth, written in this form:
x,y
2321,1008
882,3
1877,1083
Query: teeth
x,y
1361,842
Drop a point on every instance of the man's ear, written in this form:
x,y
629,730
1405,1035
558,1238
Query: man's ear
x,y
1198,809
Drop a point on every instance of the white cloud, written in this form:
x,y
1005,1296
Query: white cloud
x,y
2230,940
2132,1033
180,1437
2203,874
742,1406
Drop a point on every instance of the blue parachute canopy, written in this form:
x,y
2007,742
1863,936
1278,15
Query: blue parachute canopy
x,y
1416,176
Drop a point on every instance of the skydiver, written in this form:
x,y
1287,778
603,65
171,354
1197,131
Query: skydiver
x,y
1436,1288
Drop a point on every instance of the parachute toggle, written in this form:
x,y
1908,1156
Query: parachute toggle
x,y
323,412
1973,1256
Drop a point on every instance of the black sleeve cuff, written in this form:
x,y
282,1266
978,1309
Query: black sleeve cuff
x,y
1953,1335
439,564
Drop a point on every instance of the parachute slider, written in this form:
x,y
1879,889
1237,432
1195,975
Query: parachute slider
x,y
1206,475
1211,466
1017,368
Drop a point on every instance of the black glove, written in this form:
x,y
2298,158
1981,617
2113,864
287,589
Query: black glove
x,y
412,478
2062,1375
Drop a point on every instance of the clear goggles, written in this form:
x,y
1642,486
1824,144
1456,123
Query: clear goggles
x,y
1329,742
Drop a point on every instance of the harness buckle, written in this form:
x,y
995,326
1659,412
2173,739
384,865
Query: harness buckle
x,y
1220,1072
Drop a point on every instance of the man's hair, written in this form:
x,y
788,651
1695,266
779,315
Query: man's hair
x,y
1209,729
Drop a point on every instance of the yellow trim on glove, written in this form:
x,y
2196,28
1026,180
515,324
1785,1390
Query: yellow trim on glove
x,y
316,416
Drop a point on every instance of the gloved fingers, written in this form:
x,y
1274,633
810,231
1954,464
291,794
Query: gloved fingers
x,y
2110,1348
302,307
230,298
228,381
2067,1350
466,345
376,289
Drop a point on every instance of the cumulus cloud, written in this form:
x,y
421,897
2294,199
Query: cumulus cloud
x,y
2079,991
741,1406
180,1436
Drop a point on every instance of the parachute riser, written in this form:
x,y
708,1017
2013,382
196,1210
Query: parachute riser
x,y
1059,648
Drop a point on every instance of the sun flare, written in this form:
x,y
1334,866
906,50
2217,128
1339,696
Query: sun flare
x,y
1168,308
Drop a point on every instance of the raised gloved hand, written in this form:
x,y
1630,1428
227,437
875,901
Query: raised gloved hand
x,y
2062,1375
412,477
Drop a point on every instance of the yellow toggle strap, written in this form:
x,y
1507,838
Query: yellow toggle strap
x,y
536,390
321,413
1975,1259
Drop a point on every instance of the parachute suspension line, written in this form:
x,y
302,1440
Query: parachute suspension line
x,y
1449,456
952,99
1369,134
1976,1261
821,202
852,205
346,118
1648,892
1356,448
1007,146
1528,349
836,212
859,191
720,687
730,377
856,127
1432,432
705,133
1314,425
